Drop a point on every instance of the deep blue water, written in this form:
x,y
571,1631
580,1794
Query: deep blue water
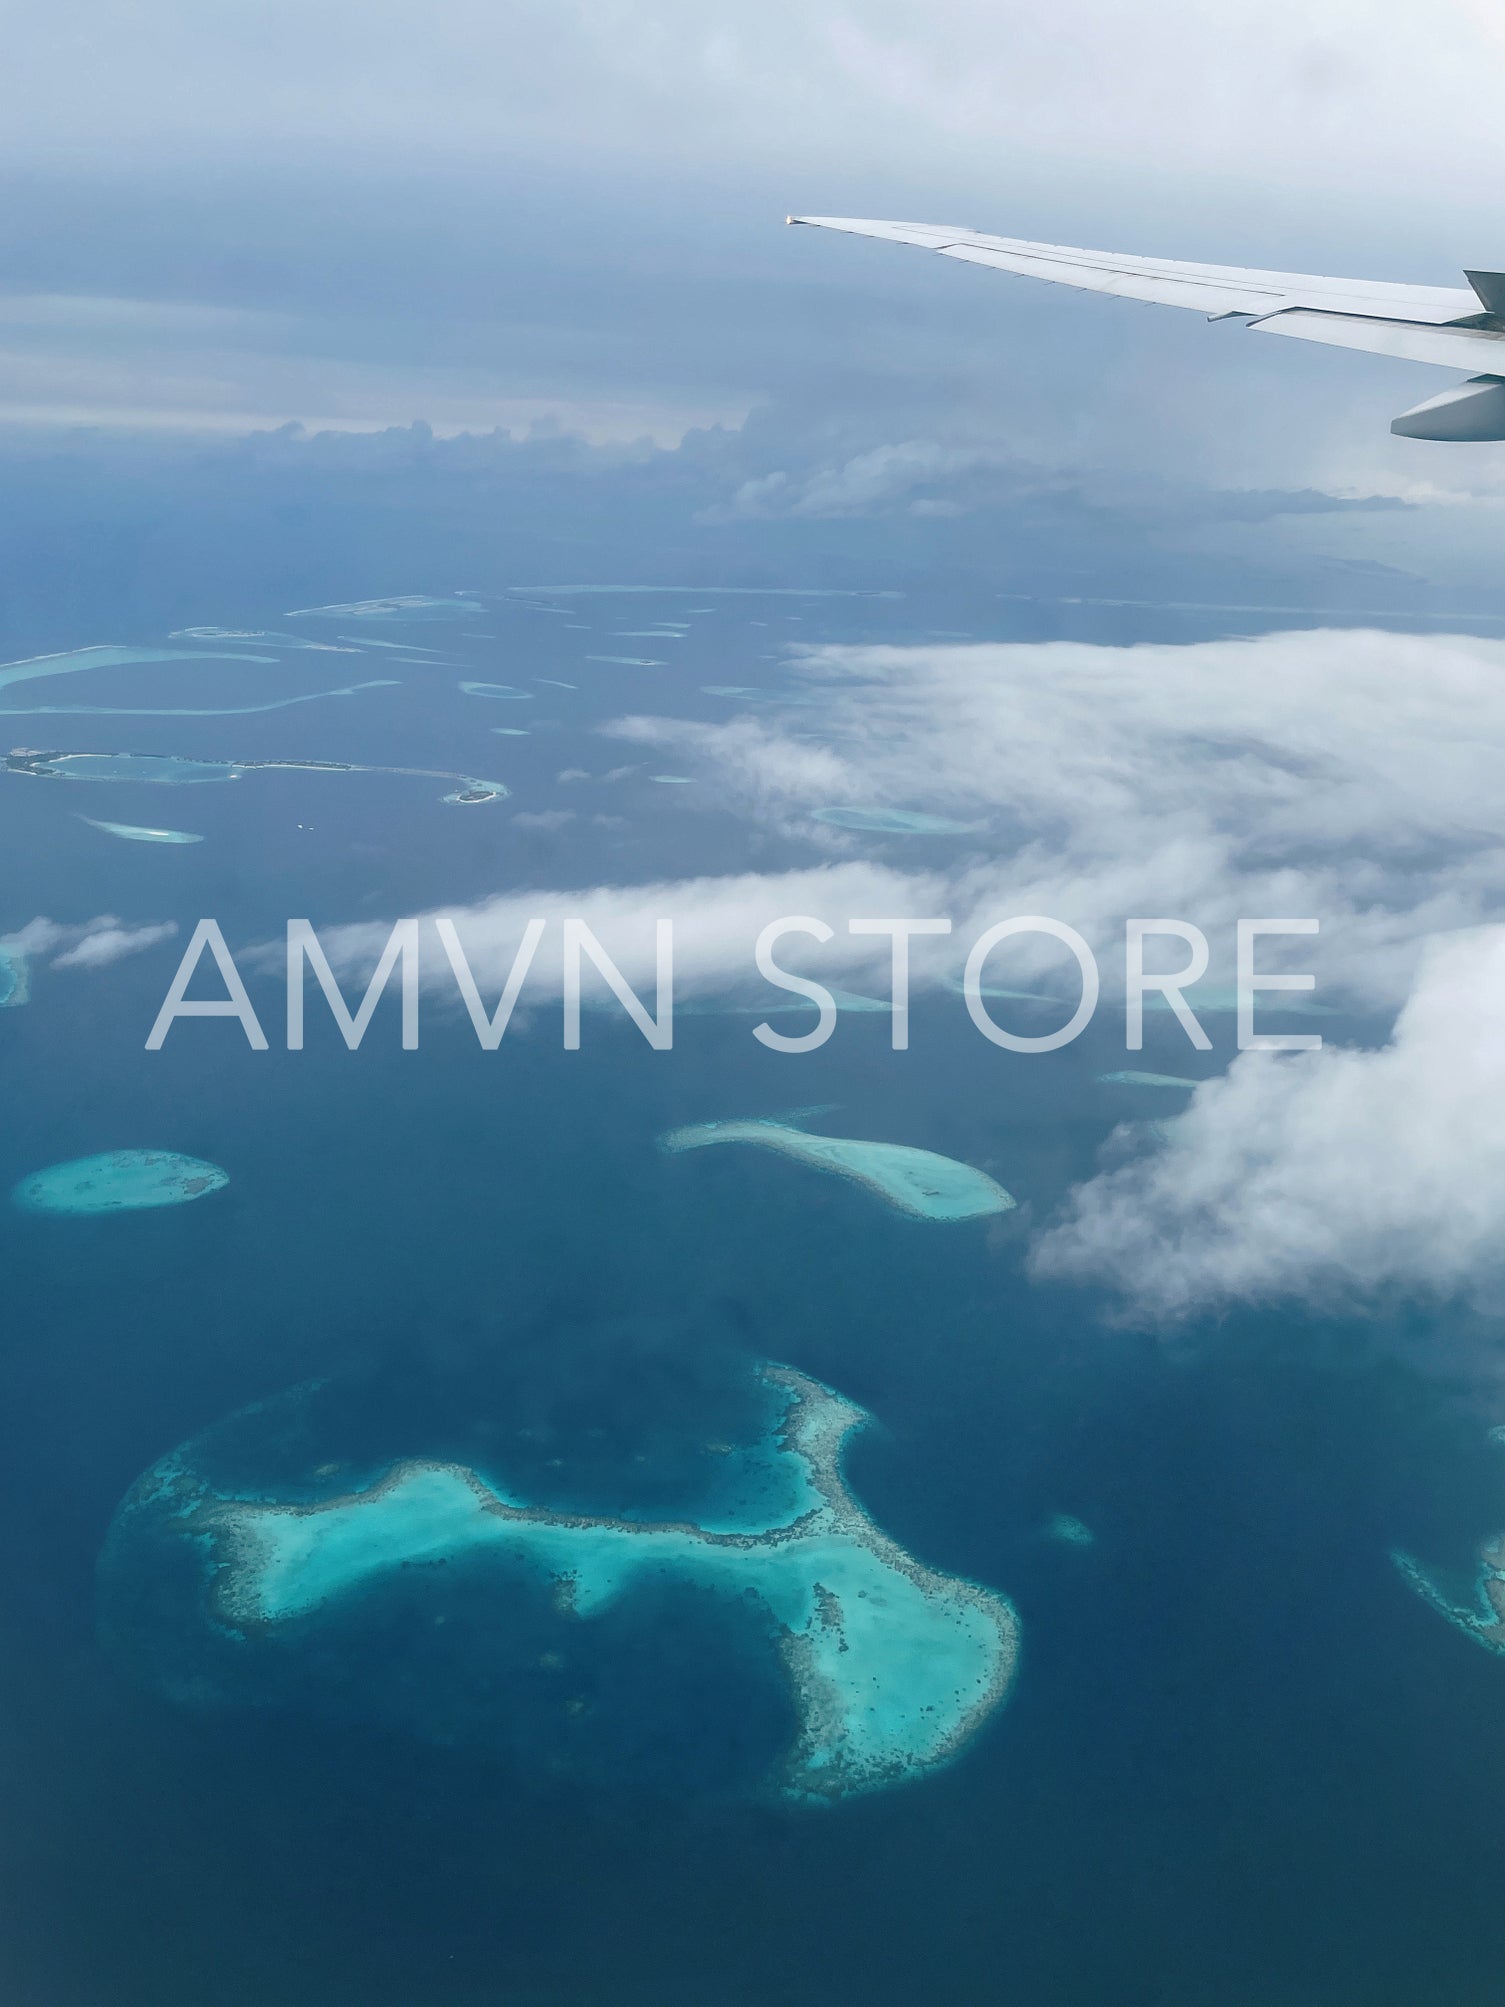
x,y
1242,1763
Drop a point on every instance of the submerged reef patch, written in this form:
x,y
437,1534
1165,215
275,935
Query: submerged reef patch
x,y
428,1592
119,1181
505,691
34,667
919,1182
201,711
15,978
893,821
1479,1614
1483,1619
133,832
744,693
404,606
1130,1078
1070,1531
168,769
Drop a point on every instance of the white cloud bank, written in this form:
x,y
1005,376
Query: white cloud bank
x,y
1350,776
716,924
1334,1174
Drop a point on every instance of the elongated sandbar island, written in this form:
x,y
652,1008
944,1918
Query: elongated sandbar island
x,y
921,1183
119,1181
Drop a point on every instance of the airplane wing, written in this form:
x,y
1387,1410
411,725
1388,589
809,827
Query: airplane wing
x,y
1457,327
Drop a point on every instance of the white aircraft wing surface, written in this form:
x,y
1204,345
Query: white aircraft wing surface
x,y
1461,327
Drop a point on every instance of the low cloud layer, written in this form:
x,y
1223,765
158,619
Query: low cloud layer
x,y
716,925
1349,776
1333,1175
1352,778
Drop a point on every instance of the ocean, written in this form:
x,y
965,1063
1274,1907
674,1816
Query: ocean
x,y
1240,1762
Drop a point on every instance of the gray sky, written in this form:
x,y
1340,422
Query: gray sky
x,y
228,217
1324,97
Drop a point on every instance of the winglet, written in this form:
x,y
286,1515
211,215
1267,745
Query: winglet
x,y
1490,286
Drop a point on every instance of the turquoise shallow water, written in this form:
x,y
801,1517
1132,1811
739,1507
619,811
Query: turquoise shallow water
x,y
888,1669
118,1181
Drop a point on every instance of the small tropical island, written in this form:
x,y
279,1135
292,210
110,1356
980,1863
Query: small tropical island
x,y
119,1181
922,1183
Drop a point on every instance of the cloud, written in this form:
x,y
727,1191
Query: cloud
x,y
110,943
160,366
1350,776
361,180
92,945
543,818
716,924
1293,95
902,476
1334,1174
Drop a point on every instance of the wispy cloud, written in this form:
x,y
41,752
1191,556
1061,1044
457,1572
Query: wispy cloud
x,y
716,920
90,944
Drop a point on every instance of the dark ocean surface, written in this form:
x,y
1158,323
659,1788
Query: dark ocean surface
x,y
1242,1765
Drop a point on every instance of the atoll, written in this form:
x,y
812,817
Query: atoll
x,y
504,691
168,769
919,1182
161,769
119,1181
1132,1079
890,1666
1483,1620
15,978
73,660
402,606
744,693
